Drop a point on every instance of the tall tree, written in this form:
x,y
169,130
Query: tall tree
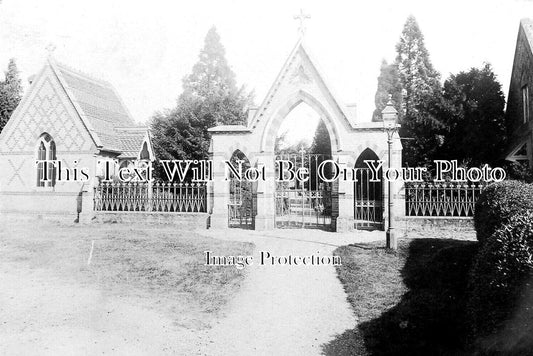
x,y
10,92
210,97
388,84
212,86
421,96
321,141
474,117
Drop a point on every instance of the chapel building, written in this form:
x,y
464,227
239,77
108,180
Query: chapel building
x,y
69,116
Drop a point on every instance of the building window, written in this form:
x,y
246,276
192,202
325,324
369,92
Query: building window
x,y
46,151
145,155
525,103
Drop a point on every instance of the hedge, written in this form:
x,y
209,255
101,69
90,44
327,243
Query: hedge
x,y
497,203
500,305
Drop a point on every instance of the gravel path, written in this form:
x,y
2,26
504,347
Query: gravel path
x,y
286,310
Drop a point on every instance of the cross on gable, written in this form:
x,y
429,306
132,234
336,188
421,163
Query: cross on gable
x,y
301,17
50,49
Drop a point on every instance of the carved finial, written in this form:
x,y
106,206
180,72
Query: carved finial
x,y
50,49
390,100
301,17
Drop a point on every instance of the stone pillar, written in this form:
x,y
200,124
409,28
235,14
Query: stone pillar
x,y
218,194
266,207
345,218
85,199
398,192
85,203
397,189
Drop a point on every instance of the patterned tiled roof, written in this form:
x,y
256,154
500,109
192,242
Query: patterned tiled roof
x,y
131,140
99,105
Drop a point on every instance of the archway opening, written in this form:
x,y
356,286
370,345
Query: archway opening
x,y
242,206
302,145
368,195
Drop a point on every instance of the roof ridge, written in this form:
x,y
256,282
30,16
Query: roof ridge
x,y
88,126
80,73
300,46
526,24
275,85
131,128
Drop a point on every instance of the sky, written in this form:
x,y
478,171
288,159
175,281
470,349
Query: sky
x,y
145,48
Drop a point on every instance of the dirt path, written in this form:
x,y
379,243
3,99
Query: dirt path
x,y
286,310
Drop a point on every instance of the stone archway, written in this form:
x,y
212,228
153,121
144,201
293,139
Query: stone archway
x,y
308,203
299,81
272,126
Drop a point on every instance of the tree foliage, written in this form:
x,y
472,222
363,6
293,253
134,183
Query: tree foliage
x,y
10,92
210,97
421,96
388,84
462,120
474,117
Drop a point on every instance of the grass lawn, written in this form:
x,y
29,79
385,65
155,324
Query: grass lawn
x,y
160,268
409,302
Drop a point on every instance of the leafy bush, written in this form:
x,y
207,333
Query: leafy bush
x,y
497,203
500,306
518,170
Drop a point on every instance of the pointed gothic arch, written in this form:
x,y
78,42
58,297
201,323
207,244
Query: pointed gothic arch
x,y
46,150
368,195
145,153
299,81
300,96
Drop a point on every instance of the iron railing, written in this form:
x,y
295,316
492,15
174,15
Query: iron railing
x,y
441,200
147,197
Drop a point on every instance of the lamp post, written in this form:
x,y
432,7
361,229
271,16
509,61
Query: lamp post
x,y
390,116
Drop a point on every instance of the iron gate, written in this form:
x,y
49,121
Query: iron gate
x,y
304,204
242,207
368,201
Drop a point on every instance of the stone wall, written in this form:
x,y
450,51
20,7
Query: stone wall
x,y
182,221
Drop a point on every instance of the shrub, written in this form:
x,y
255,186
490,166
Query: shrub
x,y
497,203
500,305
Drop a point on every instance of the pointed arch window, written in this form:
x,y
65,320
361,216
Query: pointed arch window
x,y
145,154
46,151
525,103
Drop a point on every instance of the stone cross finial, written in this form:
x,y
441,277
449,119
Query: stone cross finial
x,y
301,17
50,49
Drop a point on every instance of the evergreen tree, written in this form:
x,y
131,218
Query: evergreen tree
x,y
10,93
474,117
388,84
421,96
210,97
212,87
321,141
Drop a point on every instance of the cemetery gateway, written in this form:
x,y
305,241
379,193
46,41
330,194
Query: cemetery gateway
x,y
81,122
